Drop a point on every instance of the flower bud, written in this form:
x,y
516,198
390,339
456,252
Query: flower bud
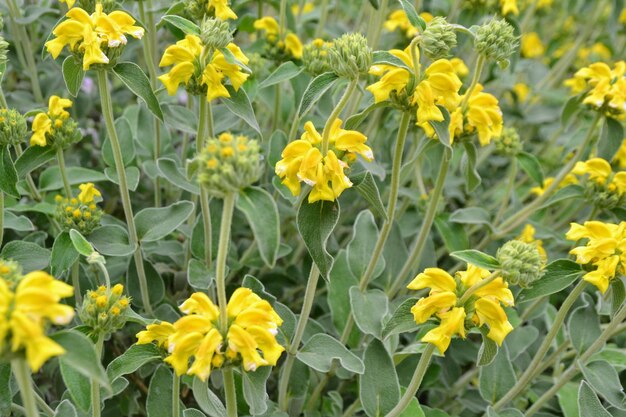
x,y
350,56
521,263
315,57
228,164
496,41
13,127
72,214
509,143
215,33
438,39
104,310
10,272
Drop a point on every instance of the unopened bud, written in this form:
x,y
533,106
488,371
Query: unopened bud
x,y
215,33
521,263
496,41
13,127
509,143
438,39
350,56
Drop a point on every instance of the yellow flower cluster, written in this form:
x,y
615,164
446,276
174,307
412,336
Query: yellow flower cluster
x,y
89,34
253,325
191,68
483,307
290,45
44,124
303,161
80,213
26,312
483,116
599,171
399,20
604,87
103,310
605,250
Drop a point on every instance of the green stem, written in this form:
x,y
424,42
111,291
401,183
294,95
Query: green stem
x,y
175,395
309,296
222,255
205,123
416,253
415,383
107,111
21,371
319,31
381,13
76,283
530,12
3,99
480,284
95,387
63,171
282,19
41,403
229,392
1,217
335,114
573,369
478,70
276,118
530,371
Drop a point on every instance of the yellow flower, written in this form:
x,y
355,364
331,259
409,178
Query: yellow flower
x,y
399,20
509,7
459,67
70,3
42,125
269,25
484,115
521,91
302,161
528,236
222,11
43,122
490,312
622,17
605,249
605,86
531,45
87,193
308,8
620,156
547,182
392,78
452,323
89,34
250,337
26,312
599,171
597,52
291,45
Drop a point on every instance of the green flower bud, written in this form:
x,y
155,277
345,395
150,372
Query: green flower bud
x,y
438,39
72,214
10,272
65,133
521,263
496,41
104,310
509,144
603,196
349,56
315,57
215,33
13,128
228,164
4,46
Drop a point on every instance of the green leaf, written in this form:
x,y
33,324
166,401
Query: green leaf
x,y
29,255
369,309
386,58
159,399
366,186
315,90
530,164
80,355
568,399
232,59
17,223
32,158
286,71
111,240
618,294
558,275
320,351
132,176
198,276
316,221
411,13
207,400
478,258
63,254
453,234
73,75
277,143
174,174
604,379
379,389
565,193
136,80
156,223
588,402
509,412
341,279
51,179
65,409
497,378
442,128
262,214
183,24
361,246
8,174
402,319
6,393
127,143
78,386
571,107
584,325
611,139
192,412
132,359
488,350
239,104
254,389
471,215
156,288
468,165
354,121
375,4
81,244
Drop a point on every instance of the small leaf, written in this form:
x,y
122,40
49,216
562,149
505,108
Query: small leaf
x,y
386,58
111,240
320,351
126,140
584,325
284,72
471,215
315,90
361,246
8,174
604,379
379,389
411,13
571,107
159,399
262,214
497,378
402,319
17,223
531,166
488,349
132,359
65,409
80,355
81,244
468,164
174,174
565,193
255,391
558,275
77,385
239,104
73,75
156,288
477,258
198,276
354,121
63,254
618,294
29,255
32,158
156,223
136,80
316,221
611,139
183,24
366,186
442,128
588,402
207,400
369,309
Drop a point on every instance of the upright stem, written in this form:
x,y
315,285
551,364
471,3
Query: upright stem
x,y
230,392
319,31
480,284
95,387
478,70
63,171
175,395
416,253
309,296
335,114
205,122
415,383
21,371
282,19
1,217
76,283
107,111
530,371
